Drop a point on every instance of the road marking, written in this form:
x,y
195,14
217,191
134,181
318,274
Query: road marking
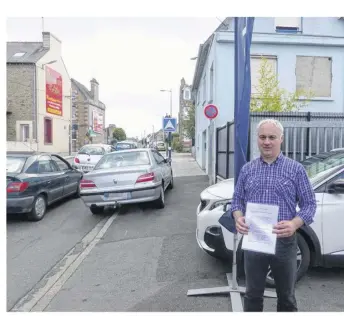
x,y
44,291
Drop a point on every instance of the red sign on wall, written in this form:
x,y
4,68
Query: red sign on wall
x,y
53,91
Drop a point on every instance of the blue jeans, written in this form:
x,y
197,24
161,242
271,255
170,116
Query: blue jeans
x,y
284,268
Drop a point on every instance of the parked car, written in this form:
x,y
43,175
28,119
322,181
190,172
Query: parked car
x,y
35,181
125,145
318,245
160,146
88,156
127,177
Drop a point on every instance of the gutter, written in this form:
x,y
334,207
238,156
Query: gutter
x,y
34,106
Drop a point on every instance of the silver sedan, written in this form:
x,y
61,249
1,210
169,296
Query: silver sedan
x,y
127,177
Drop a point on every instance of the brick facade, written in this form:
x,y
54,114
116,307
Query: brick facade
x,y
20,97
84,102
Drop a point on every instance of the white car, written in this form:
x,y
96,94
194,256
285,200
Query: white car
x,y
89,155
320,244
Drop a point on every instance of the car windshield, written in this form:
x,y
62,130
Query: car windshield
x,y
15,164
125,159
91,150
318,169
123,146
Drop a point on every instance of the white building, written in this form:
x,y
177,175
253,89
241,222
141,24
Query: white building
x,y
305,52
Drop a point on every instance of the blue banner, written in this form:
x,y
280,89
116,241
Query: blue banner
x,y
243,37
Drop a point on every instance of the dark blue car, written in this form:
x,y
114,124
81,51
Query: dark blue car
x,y
125,145
35,181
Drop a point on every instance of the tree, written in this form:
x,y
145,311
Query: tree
x,y
119,134
188,125
271,98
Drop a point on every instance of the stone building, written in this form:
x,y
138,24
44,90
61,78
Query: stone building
x,y
38,97
184,105
88,115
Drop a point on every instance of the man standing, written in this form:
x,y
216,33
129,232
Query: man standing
x,y
276,180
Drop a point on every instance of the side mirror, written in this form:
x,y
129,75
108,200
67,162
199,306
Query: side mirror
x,y
336,186
168,160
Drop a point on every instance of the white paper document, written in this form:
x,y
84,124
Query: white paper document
x,y
260,218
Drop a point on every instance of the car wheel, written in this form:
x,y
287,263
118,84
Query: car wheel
x,y
170,186
160,202
303,261
97,209
39,208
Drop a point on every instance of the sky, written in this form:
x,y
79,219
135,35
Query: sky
x,y
131,58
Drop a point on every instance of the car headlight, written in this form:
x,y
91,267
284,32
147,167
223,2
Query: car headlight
x,y
220,203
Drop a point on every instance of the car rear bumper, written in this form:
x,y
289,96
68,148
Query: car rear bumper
x,y
129,197
19,205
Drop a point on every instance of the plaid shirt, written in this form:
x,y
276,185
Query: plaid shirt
x,y
284,183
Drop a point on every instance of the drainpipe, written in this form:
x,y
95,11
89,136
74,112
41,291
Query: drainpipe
x,y
34,106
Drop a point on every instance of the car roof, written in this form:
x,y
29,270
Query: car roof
x,y
322,156
131,150
337,150
126,142
20,154
96,145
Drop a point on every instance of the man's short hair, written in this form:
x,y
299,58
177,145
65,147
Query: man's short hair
x,y
271,121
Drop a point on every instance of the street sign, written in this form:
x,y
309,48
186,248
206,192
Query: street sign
x,y
169,124
211,111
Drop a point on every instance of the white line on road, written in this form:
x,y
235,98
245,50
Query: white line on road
x,y
41,295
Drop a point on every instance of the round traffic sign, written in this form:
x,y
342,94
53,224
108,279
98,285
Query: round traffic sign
x,y
211,111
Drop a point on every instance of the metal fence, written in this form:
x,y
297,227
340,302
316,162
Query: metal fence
x,y
225,151
305,134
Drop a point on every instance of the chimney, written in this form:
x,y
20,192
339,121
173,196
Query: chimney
x,y
95,90
46,40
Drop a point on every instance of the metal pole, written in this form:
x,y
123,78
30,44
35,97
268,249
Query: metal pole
x,y
170,134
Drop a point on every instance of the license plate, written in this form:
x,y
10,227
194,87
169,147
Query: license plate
x,y
87,167
116,196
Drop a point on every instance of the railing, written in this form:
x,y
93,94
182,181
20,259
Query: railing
x,y
305,135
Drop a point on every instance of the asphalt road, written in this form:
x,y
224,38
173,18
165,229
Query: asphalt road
x,y
33,248
146,260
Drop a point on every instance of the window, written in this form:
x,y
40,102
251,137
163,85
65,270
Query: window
x,y
288,25
33,169
314,74
187,94
123,159
48,131
24,132
211,97
19,54
15,164
256,62
60,163
45,166
92,150
158,158
204,89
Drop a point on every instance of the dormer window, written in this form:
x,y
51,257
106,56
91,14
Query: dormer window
x,y
17,55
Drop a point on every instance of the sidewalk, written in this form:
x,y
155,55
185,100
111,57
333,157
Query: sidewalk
x,y
184,165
